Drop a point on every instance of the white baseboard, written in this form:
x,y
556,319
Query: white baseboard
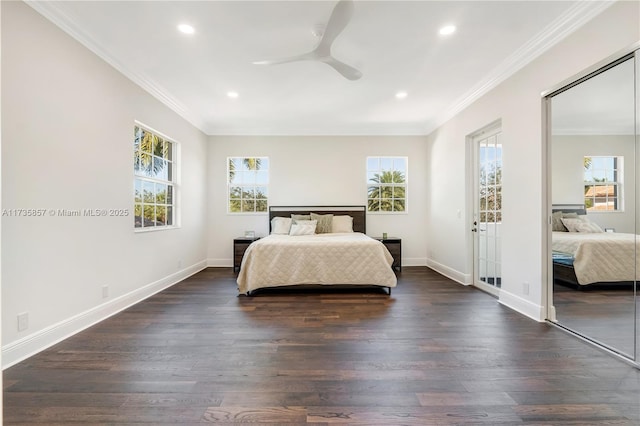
x,y
522,306
30,345
507,299
462,278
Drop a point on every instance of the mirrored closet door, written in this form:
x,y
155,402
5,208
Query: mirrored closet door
x,y
593,158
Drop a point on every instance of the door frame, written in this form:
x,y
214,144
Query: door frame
x,y
471,164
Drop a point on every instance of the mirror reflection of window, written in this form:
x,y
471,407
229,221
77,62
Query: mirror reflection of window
x,y
602,182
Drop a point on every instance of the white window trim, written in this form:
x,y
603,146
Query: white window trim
x,y
228,185
175,183
406,185
619,183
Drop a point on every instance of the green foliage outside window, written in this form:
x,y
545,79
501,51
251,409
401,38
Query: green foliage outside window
x,y
247,179
387,184
491,195
153,166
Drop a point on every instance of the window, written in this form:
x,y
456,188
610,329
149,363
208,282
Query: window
x,y
386,184
603,183
247,181
154,179
490,179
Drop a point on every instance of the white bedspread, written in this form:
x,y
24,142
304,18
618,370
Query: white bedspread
x,y
341,258
599,257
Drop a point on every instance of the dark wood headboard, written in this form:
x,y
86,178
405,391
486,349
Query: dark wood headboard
x,y
569,208
358,213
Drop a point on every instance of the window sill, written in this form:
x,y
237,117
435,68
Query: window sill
x,y
154,229
387,213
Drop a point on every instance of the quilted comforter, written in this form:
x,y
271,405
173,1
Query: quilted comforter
x,y
599,257
337,258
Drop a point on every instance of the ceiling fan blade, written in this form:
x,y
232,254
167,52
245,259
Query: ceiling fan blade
x,y
338,20
340,17
347,71
303,57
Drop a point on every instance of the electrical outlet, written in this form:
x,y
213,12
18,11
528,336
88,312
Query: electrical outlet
x,y
525,288
105,291
23,321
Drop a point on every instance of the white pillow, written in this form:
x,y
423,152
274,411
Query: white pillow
x,y
280,225
571,224
303,227
342,224
579,225
588,226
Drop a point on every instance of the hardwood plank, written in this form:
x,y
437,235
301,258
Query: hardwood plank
x,y
460,398
591,412
384,415
275,415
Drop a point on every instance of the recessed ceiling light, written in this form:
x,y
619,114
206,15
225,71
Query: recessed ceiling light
x,y
447,29
186,29
401,95
232,95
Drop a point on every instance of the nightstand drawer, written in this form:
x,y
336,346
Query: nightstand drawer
x,y
240,245
394,245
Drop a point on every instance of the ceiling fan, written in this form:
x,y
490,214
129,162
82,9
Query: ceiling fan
x,y
338,20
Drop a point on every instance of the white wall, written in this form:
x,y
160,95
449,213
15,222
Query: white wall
x,y
67,130
1,378
567,173
318,170
517,101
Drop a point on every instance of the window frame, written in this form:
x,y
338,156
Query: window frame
x,y
404,184
171,158
490,183
617,183
254,184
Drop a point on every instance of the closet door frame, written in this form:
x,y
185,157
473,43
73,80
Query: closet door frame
x,y
547,265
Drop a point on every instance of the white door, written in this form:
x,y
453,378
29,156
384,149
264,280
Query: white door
x,y
487,210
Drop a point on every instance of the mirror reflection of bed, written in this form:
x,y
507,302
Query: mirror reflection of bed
x,y
593,273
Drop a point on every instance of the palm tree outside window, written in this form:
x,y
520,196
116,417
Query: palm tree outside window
x,y
248,184
387,184
154,179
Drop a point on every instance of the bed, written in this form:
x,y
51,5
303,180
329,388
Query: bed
x,y
584,254
336,253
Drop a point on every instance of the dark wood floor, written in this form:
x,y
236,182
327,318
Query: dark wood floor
x,y
432,353
604,313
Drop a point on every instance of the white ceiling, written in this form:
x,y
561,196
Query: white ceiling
x,y
395,44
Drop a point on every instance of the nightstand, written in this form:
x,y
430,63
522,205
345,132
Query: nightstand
x,y
394,245
240,245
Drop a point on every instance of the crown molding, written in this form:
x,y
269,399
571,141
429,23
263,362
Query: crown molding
x,y
575,17
54,12
312,130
